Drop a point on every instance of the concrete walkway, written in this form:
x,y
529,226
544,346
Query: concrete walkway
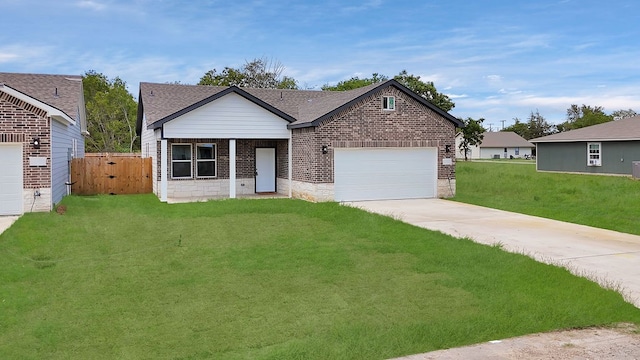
x,y
6,222
608,257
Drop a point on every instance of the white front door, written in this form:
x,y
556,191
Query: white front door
x,y
385,173
11,179
265,170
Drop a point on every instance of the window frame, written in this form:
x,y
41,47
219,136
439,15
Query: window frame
x,y
386,103
190,161
594,161
214,161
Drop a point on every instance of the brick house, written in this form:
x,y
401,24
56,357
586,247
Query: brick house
x,y
42,122
381,141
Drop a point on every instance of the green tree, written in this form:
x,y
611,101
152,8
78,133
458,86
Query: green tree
x,y
355,83
427,90
258,73
111,114
472,135
623,114
583,116
538,126
519,128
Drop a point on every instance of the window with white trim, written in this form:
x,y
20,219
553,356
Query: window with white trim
x,y
206,160
181,161
388,103
594,154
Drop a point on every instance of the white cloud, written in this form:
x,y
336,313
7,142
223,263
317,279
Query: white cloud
x,y
7,57
20,55
493,79
91,4
365,6
510,91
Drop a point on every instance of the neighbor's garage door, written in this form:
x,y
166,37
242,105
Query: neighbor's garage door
x,y
10,179
385,173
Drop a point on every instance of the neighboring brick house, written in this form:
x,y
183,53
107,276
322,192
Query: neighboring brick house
x,y
42,121
381,141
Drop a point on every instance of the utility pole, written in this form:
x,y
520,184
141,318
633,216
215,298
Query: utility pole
x,y
503,123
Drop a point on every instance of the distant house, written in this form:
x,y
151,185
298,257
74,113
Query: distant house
x,y
501,144
608,148
377,142
42,122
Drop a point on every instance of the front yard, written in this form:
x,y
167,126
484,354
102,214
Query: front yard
x,y
128,277
608,202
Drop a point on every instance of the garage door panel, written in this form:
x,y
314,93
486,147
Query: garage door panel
x,y
11,179
384,173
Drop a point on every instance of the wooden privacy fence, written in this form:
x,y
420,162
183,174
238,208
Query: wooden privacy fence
x,y
111,173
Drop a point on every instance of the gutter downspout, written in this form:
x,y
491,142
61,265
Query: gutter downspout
x,y
290,160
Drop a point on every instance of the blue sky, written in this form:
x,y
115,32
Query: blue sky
x,y
496,59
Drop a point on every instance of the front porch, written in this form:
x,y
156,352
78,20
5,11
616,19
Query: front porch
x,y
205,169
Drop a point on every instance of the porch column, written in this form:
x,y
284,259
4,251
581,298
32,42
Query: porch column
x,y
163,170
290,145
232,168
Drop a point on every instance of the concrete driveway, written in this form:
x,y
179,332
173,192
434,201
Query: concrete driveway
x,y
6,222
608,257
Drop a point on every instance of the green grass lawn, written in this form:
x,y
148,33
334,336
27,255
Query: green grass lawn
x,y
127,277
608,202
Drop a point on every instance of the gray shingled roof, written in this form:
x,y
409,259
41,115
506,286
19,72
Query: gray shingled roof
x,y
163,102
43,87
501,139
623,130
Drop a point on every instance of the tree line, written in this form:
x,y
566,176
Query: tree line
x,y
112,110
577,117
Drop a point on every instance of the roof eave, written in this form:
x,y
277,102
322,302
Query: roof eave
x,y
583,140
52,112
63,118
140,114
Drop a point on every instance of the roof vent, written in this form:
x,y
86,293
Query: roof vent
x,y
55,94
151,93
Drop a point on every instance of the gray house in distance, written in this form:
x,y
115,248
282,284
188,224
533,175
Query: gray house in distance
x,y
608,148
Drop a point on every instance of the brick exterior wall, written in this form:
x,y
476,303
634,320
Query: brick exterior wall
x,y
21,122
307,155
366,125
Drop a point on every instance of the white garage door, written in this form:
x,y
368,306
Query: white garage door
x,y
10,179
385,173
